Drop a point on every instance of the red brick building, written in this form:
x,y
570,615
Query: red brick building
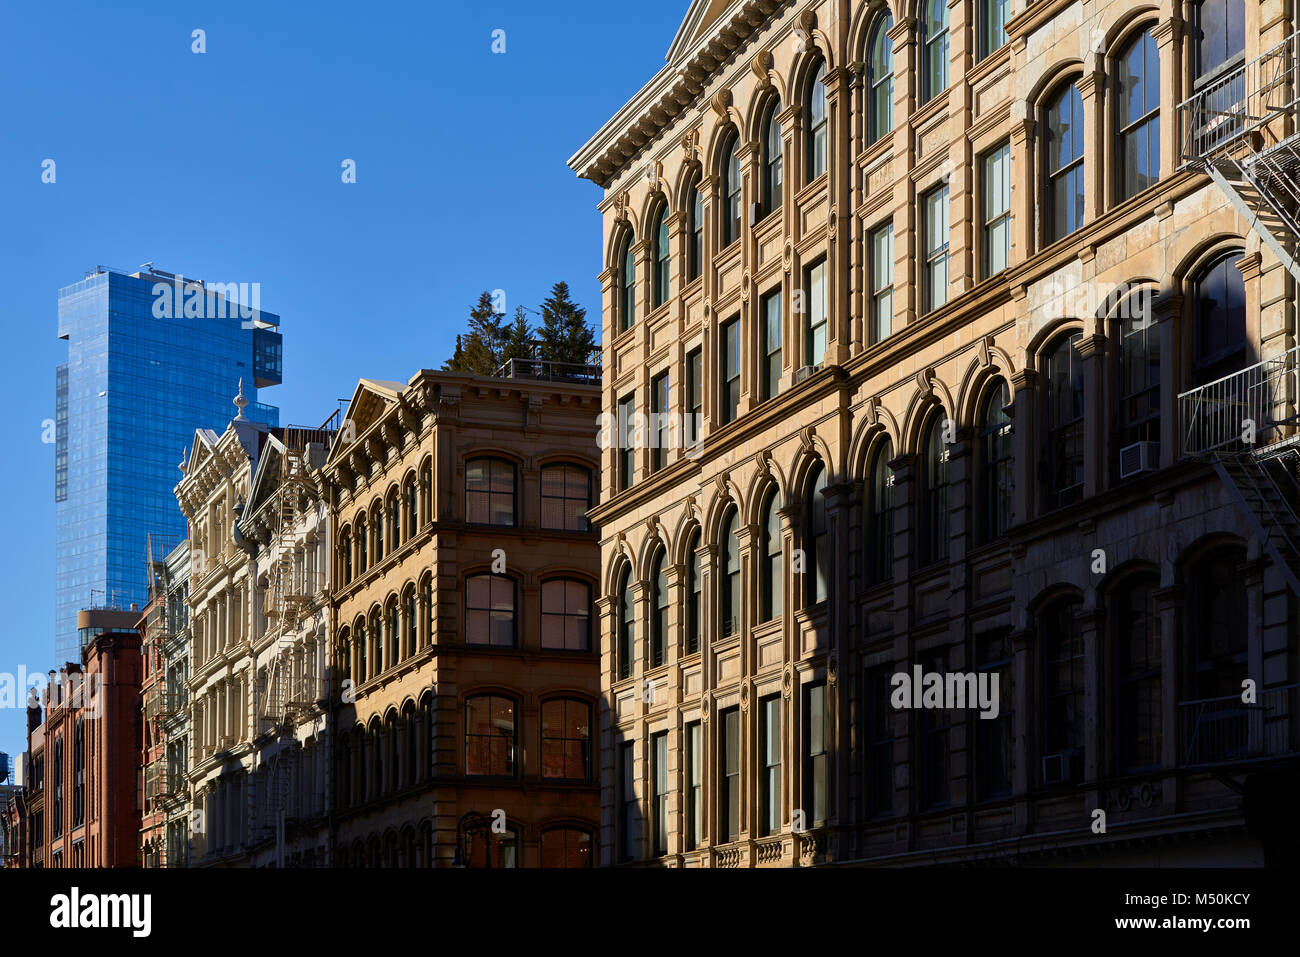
x,y
88,746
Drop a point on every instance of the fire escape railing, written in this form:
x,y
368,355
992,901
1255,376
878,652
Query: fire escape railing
x,y
1247,409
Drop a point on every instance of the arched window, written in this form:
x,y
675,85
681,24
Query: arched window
x,y
566,739
772,160
491,735
394,633
394,521
426,491
345,653
663,257
772,583
1218,32
728,576
880,512
1063,152
566,615
377,529
426,609
1220,632
934,491
996,475
362,549
627,284
566,497
345,549
1136,644
731,190
490,492
490,610
1063,371
658,611
626,624
818,131
566,847
694,593
359,630
880,64
377,661
411,729
1063,670
1137,372
411,616
934,48
412,508
1220,345
1137,100
817,551
697,232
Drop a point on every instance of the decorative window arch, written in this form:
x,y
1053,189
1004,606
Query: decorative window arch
x,y
1063,163
880,79
626,623
662,256
694,593
1137,119
934,489
818,134
771,589
729,593
880,514
933,26
567,846
627,282
817,544
996,463
732,200
658,637
773,158
1063,422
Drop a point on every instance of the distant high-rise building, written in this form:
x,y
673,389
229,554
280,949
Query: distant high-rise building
x,y
152,356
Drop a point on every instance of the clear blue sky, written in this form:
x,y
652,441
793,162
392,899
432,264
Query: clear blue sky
x,y
226,166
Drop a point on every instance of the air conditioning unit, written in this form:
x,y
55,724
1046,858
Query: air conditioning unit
x,y
804,372
1062,767
1139,457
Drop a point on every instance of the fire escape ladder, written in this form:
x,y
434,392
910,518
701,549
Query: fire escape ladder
x,y
1254,484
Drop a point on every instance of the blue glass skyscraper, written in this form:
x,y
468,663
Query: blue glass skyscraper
x,y
151,358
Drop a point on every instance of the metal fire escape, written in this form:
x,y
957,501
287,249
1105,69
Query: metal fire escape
x,y
1241,129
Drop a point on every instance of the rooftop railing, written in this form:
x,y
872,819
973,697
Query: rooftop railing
x,y
587,373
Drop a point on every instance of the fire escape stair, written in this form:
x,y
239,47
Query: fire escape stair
x,y
1264,485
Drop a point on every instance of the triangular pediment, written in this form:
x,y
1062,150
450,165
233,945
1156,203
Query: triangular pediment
x,y
267,474
702,15
372,398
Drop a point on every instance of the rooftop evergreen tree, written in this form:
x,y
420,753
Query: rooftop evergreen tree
x,y
565,335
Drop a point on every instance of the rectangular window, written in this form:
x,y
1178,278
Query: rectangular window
x,y
694,396
694,786
770,761
771,344
997,210
659,793
626,444
815,316
993,25
489,497
934,280
933,726
882,283
627,801
816,760
879,741
730,356
659,408
729,772
995,737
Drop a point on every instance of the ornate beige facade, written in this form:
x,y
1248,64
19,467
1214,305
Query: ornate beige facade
x,y
969,282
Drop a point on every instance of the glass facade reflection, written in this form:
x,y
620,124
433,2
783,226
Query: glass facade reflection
x,y
132,392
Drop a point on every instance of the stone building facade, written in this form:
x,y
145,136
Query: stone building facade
x,y
935,305
464,579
